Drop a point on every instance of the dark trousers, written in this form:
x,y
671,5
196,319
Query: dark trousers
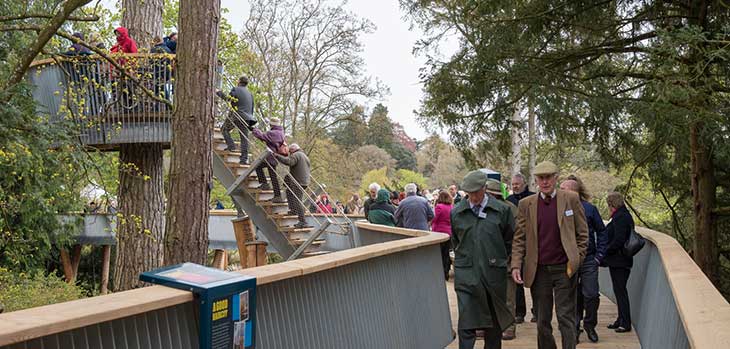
x,y
552,283
445,258
492,338
228,125
293,196
619,278
520,305
588,298
272,173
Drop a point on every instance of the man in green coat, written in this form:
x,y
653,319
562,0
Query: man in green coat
x,y
482,229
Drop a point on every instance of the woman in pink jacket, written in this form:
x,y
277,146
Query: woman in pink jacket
x,y
441,223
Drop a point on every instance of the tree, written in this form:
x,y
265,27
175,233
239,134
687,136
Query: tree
x,y
186,239
644,81
428,154
379,176
449,169
141,223
403,177
310,71
352,132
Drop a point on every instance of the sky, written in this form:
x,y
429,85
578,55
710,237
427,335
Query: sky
x,y
387,53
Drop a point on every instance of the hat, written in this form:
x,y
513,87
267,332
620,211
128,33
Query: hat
x,y
274,122
494,186
473,181
545,168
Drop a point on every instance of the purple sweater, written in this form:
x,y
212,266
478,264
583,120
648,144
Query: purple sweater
x,y
549,246
273,138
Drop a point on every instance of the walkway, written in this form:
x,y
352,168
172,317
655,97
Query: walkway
x,y
527,332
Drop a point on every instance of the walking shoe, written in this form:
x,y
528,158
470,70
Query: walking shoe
x,y
244,162
592,334
508,334
278,200
302,225
519,319
613,326
534,319
622,329
264,186
234,149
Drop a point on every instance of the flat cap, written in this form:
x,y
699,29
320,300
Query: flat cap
x,y
494,186
473,181
545,168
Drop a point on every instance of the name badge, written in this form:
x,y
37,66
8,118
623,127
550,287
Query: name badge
x,y
568,213
482,214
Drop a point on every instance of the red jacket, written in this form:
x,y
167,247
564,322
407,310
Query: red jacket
x,y
125,44
442,219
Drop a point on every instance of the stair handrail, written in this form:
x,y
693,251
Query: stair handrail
x,y
339,213
328,216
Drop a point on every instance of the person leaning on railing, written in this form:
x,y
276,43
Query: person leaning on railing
x,y
619,265
274,138
300,171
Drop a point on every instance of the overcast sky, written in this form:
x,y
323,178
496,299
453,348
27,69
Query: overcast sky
x,y
387,55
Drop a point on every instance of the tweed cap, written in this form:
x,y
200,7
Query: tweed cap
x,y
494,186
473,181
274,122
545,168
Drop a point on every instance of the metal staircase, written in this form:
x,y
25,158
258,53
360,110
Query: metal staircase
x,y
272,219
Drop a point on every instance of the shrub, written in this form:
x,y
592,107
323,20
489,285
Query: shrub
x,y
27,290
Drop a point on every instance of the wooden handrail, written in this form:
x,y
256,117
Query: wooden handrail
x,y
704,311
61,57
36,322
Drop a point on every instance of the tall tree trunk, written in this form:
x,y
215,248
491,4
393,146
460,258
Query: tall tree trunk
x,y
141,189
191,168
141,217
532,136
516,160
143,19
704,197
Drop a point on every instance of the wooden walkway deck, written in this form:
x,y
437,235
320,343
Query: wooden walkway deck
x,y
527,332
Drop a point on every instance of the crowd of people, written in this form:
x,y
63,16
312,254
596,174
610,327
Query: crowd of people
x,y
552,242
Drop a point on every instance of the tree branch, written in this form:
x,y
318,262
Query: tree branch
x,y
45,34
91,18
721,211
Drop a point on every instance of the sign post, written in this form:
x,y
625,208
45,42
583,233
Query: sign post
x,y
226,302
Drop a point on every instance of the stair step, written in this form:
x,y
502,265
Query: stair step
x,y
295,230
315,253
273,204
299,242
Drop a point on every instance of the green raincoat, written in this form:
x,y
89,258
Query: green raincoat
x,y
381,211
482,247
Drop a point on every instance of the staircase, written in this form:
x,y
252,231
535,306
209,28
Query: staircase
x,y
270,218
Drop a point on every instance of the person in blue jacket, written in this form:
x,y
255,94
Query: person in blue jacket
x,y
588,297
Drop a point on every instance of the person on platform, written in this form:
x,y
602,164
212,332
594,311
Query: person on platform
x,y
414,212
354,206
494,189
125,44
441,223
551,240
297,180
273,138
373,190
588,297
619,265
381,211
241,116
171,42
482,229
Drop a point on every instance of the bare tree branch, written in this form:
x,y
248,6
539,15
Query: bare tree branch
x,y
68,7
90,18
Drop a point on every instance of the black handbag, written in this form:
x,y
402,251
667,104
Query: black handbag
x,y
634,244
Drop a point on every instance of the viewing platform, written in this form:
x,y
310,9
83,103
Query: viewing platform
x,y
107,104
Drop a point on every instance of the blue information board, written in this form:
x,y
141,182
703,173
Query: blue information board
x,y
226,301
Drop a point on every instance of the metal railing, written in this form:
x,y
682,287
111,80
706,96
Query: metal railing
x,y
309,195
109,105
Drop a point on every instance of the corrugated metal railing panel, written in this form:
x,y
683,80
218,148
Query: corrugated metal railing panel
x,y
394,301
654,312
173,327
